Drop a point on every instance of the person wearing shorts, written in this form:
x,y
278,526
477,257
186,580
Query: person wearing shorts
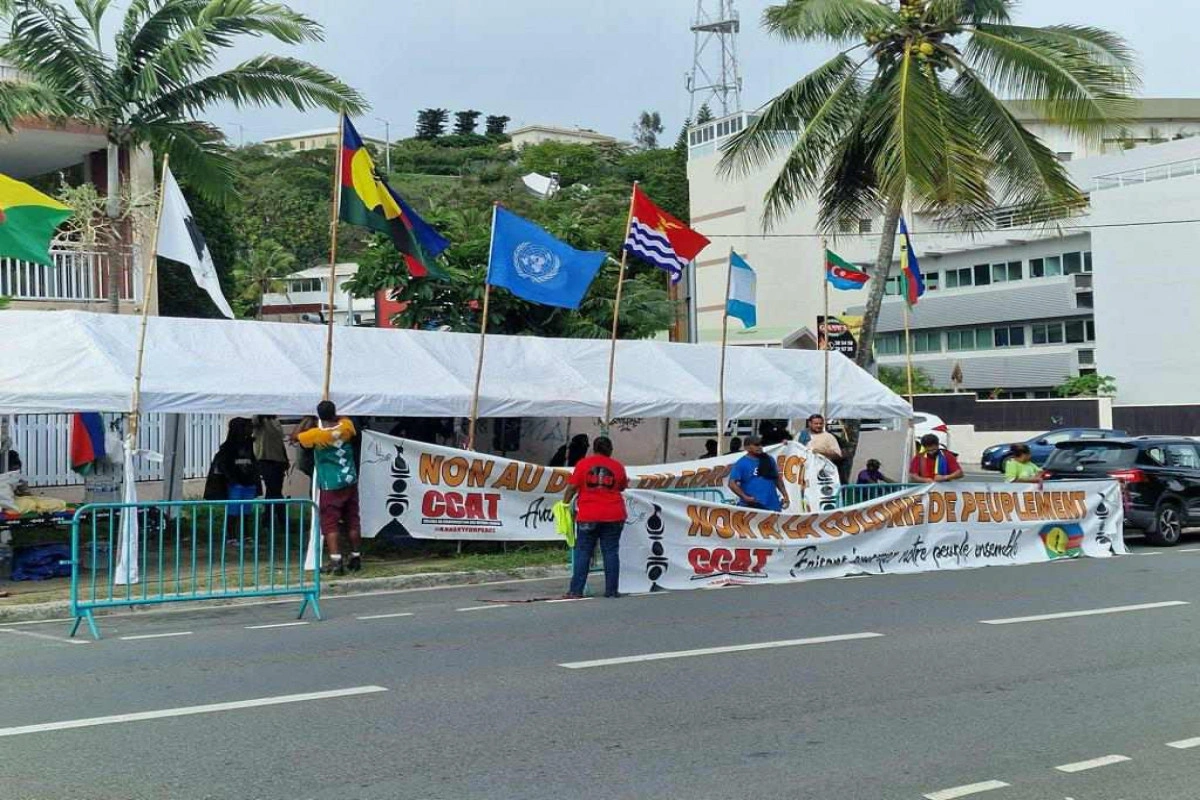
x,y
332,443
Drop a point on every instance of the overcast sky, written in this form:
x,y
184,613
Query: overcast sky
x,y
597,64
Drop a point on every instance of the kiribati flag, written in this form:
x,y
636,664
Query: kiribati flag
x,y
841,274
659,239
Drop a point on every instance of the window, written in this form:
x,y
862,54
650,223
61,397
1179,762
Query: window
x,y
1091,331
927,342
892,287
1048,333
931,281
887,345
955,340
1011,336
1085,300
1037,267
864,226
1064,156
1043,394
1053,266
957,278
1076,332
846,226
1182,456
1002,273
983,339
1072,263
1087,357
1087,261
983,275
306,285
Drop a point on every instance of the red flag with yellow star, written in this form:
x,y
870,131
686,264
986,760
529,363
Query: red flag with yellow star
x,y
660,239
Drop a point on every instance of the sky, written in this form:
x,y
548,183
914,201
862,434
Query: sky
x,y
598,63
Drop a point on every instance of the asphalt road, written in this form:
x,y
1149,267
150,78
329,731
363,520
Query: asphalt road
x,y
467,697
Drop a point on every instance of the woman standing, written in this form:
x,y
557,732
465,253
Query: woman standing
x,y
271,454
1019,466
234,474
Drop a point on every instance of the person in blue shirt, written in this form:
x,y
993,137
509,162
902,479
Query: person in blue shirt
x,y
755,479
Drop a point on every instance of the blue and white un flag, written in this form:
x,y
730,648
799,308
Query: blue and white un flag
x,y
535,266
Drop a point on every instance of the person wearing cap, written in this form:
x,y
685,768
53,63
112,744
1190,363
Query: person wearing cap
x,y
755,479
934,464
873,473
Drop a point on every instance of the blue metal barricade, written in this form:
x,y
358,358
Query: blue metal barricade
x,y
854,494
707,495
191,550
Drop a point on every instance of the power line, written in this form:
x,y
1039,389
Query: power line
x,y
1064,232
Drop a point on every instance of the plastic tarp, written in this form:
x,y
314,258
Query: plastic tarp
x,y
70,361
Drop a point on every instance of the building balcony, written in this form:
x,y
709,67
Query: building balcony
x,y
74,277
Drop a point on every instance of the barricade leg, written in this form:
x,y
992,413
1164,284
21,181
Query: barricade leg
x,y
310,598
86,614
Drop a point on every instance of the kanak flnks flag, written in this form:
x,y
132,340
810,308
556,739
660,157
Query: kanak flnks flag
x,y
914,281
659,239
743,290
841,274
368,201
535,266
28,220
180,239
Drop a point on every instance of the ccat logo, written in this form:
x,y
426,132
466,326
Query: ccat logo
x,y
742,562
439,506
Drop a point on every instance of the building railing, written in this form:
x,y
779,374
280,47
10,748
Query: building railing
x,y
74,276
1159,172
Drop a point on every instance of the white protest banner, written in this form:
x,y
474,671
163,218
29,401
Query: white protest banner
x,y
431,492
672,542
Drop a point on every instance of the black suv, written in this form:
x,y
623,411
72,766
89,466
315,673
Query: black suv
x,y
1159,477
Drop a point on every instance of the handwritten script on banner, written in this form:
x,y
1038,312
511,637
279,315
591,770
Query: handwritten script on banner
x,y
676,543
431,492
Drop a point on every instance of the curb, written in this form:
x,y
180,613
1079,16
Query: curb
x,y
60,609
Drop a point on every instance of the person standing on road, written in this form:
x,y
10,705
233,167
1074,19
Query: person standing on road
x,y
1019,466
755,479
598,481
332,443
934,464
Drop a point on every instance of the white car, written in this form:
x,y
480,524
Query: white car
x,y
931,423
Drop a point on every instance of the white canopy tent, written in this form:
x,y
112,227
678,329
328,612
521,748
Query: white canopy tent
x,y
75,361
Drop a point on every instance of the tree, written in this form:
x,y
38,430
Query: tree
x,y
262,272
496,125
704,115
1092,385
431,122
896,379
910,112
647,129
466,122
149,85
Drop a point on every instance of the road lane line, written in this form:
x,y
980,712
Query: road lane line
x,y
708,651
569,600
274,625
1188,550
187,711
1088,613
154,636
45,636
1152,553
1185,744
483,608
966,791
1103,761
386,616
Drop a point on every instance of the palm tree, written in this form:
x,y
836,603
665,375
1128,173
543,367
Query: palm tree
x,y
263,272
914,110
156,76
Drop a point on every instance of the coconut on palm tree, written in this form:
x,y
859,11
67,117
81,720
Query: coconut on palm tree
x,y
262,272
148,84
913,110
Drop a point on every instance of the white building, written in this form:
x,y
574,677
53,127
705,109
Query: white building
x,y
1020,308
315,140
536,134
305,295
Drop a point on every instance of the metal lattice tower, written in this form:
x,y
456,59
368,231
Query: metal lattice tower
x,y
715,77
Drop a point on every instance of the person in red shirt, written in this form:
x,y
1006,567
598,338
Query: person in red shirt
x,y
934,464
597,482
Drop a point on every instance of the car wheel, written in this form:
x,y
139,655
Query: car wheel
x,y
1168,525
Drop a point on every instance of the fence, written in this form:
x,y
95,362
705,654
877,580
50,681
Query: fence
x,y
72,276
186,551
864,493
44,443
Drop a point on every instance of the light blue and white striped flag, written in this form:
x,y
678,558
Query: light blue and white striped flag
x,y
743,287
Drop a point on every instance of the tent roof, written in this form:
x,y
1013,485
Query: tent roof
x,y
72,361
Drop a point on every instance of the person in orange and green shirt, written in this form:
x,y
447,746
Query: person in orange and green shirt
x,y
332,443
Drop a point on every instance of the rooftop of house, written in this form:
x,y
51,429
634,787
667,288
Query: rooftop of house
x,y
585,133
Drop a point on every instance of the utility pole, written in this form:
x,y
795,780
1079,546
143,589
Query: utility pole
x,y
387,149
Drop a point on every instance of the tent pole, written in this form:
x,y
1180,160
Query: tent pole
x,y
612,353
825,323
151,269
335,213
724,343
483,326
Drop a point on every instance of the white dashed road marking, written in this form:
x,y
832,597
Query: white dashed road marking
x,y
483,608
386,616
45,636
1089,613
1185,744
710,651
966,791
1082,766
154,636
275,625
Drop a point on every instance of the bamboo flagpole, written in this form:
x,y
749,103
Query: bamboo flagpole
x,y
335,209
825,324
721,422
612,353
147,287
904,254
483,326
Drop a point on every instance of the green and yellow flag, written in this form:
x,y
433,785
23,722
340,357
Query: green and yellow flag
x,y
28,220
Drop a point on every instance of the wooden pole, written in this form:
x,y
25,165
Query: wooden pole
x,y
151,270
335,212
908,352
904,255
724,343
483,326
612,353
825,284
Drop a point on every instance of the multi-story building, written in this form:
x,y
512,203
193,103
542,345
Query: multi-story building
x,y
1018,308
307,293
314,140
536,134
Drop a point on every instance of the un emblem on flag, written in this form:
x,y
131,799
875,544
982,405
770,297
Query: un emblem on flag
x,y
536,263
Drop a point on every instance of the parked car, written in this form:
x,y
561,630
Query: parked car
x,y
923,423
1042,445
1159,477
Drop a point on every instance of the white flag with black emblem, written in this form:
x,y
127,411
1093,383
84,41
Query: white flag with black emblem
x,y
180,240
